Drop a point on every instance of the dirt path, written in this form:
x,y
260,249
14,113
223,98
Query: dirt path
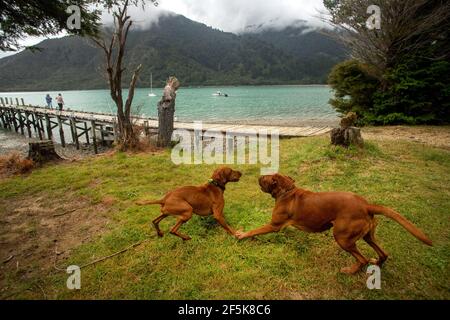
x,y
429,135
37,231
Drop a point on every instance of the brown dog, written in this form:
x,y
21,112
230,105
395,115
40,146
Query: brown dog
x,y
351,216
203,200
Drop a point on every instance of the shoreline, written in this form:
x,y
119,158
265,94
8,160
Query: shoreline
x,y
11,142
3,91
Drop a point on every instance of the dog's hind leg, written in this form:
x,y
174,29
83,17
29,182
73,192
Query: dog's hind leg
x,y
370,239
156,223
182,220
347,238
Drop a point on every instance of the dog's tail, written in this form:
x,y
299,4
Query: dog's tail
x,y
150,202
379,210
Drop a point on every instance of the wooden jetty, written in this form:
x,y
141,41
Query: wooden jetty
x,y
95,128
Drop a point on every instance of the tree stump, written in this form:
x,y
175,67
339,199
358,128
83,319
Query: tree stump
x,y
346,137
347,134
166,112
42,151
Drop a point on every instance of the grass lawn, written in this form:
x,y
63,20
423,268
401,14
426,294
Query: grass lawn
x,y
411,178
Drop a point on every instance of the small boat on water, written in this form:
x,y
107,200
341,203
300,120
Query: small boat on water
x,y
220,94
151,94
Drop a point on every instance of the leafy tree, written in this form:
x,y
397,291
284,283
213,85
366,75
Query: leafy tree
x,y
401,71
113,45
354,87
407,27
22,18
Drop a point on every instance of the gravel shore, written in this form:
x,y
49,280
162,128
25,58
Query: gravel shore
x,y
11,142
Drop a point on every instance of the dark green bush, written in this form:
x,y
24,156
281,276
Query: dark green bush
x,y
416,91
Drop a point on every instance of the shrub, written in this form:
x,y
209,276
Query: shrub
x,y
416,91
15,164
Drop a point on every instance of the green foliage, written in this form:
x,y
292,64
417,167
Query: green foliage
x,y
354,87
22,18
415,91
418,93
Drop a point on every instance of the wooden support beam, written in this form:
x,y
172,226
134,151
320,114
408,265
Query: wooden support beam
x,y
33,122
41,125
2,117
17,101
146,128
102,135
73,125
14,120
37,125
116,131
8,119
23,101
21,124
28,123
2,102
49,127
94,137
86,130
61,131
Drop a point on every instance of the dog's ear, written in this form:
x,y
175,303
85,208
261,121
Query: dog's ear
x,y
289,178
287,183
221,175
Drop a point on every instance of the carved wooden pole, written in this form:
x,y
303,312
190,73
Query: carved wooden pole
x,y
166,112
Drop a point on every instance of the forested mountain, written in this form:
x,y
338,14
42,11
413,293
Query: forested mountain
x,y
195,53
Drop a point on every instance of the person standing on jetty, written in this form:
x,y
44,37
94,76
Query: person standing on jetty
x,y
49,100
60,101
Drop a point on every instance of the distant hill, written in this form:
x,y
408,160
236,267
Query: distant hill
x,y
195,53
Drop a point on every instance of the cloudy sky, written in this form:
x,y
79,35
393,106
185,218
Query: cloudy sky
x,y
227,15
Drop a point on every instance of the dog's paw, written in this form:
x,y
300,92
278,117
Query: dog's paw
x,y
240,234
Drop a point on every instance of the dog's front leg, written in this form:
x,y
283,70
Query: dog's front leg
x,y
270,228
218,215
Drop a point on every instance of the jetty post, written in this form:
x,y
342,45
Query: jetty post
x,y
86,132
73,125
61,131
21,125
13,117
28,123
49,127
94,137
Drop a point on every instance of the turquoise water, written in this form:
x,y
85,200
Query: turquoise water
x,y
266,104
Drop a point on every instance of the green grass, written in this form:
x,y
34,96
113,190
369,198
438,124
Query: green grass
x,y
413,179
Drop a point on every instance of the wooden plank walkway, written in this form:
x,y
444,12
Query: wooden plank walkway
x,y
153,123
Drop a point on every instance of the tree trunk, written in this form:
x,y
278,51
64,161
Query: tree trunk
x,y
166,113
127,139
346,137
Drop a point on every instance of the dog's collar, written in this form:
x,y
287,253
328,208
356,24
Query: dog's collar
x,y
216,183
284,193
